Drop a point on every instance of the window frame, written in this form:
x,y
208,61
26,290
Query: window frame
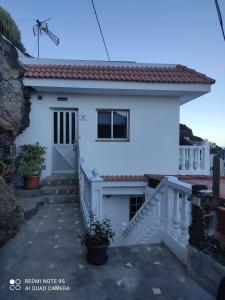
x,y
112,139
136,210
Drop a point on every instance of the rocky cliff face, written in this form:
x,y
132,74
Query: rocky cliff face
x,y
187,137
14,118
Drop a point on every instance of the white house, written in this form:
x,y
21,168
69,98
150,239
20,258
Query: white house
x,y
122,117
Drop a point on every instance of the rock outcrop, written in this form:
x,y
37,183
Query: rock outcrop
x,y
11,214
14,118
187,137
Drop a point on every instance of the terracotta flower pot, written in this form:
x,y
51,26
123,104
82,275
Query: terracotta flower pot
x,y
97,254
31,182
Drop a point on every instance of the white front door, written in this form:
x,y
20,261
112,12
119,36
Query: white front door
x,y
64,136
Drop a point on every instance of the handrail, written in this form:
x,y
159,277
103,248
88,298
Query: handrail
x,y
160,185
179,185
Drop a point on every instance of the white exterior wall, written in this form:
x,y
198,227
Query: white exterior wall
x,y
154,132
116,208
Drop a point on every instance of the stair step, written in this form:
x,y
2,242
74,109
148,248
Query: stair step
x,y
22,193
62,198
31,205
59,189
56,180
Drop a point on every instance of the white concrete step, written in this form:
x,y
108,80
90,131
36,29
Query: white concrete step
x,y
57,180
60,189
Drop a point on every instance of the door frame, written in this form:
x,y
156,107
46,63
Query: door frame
x,y
64,108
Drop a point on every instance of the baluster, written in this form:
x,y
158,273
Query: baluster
x,y
154,215
198,163
176,215
191,158
159,199
184,224
168,210
183,165
186,154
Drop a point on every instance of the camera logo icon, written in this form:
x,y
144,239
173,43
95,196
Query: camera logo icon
x,y
15,284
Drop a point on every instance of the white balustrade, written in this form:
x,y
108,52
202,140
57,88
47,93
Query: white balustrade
x,y
90,190
194,160
164,217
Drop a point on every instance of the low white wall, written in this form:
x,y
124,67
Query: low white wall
x,y
154,132
116,208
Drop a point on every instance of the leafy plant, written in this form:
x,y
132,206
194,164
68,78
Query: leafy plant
x,y
98,232
10,30
5,166
31,159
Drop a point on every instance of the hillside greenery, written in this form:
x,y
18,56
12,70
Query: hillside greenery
x,y
9,29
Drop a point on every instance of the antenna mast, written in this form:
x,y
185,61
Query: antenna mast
x,y
41,28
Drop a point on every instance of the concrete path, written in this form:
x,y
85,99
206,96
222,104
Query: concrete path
x,y
47,253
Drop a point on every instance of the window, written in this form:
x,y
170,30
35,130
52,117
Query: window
x,y
113,124
135,205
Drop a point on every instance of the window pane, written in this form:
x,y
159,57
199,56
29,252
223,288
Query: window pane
x,y
61,127
67,128
73,127
104,124
55,127
120,124
135,205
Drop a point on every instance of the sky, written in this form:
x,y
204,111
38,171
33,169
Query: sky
x,y
153,31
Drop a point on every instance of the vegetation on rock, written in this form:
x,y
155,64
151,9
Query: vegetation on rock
x,y
11,213
10,30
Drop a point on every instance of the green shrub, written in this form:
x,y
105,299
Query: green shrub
x,y
10,30
31,159
98,232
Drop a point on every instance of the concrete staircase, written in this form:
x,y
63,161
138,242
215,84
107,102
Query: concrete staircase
x,y
60,188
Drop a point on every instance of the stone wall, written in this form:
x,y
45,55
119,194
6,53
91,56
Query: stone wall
x,y
14,118
206,252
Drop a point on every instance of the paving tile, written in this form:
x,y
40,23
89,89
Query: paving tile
x,y
156,291
56,252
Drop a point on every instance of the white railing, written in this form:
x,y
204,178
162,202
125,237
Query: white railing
x,y
164,217
85,193
90,189
194,160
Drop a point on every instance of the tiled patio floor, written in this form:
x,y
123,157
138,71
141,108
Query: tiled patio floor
x,y
48,247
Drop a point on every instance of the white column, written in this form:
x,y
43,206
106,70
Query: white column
x,y
183,166
191,158
184,224
198,158
176,215
96,197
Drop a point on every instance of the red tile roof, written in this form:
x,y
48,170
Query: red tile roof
x,y
150,74
154,179
124,178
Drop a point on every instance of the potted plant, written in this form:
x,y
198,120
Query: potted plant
x,y
97,239
30,162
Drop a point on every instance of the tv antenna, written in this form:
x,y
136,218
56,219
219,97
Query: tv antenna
x,y
41,28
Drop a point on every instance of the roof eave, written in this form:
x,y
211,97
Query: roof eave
x,y
186,92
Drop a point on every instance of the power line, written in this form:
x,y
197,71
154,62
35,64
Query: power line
x,y
103,39
220,17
